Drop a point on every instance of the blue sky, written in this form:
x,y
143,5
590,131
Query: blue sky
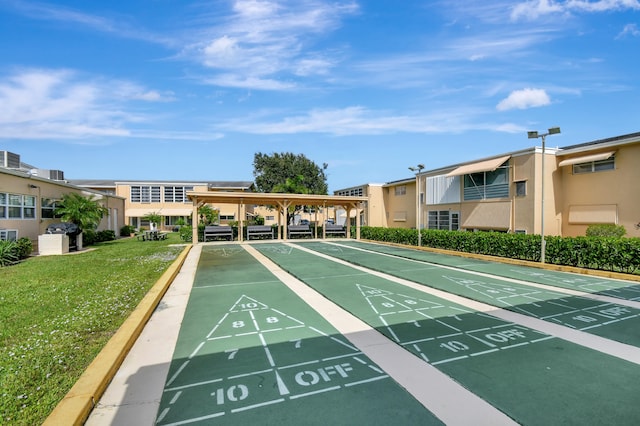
x,y
190,90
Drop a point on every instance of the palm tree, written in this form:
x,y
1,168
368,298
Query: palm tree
x,y
154,219
86,212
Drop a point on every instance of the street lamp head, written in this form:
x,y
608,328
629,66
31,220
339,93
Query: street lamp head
x,y
420,166
413,169
554,130
532,134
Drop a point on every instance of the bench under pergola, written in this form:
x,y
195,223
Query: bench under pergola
x,y
280,201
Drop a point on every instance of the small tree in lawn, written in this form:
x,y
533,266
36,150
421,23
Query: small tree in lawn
x,y
154,219
86,212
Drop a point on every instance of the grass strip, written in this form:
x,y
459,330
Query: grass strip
x,y
58,312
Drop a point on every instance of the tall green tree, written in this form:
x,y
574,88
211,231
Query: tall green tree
x,y
86,212
271,173
289,173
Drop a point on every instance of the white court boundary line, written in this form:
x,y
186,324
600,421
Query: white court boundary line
x,y
571,292
432,388
601,344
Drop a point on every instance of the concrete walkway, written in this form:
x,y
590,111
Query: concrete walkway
x,y
133,397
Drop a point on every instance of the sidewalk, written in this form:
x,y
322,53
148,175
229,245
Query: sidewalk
x,y
133,395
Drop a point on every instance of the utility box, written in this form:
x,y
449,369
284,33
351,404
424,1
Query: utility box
x,y
53,244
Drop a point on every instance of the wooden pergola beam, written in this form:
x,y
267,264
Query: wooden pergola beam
x,y
283,201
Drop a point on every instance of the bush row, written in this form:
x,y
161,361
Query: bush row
x,y
604,253
90,237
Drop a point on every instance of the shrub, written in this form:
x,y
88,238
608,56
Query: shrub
x,y
105,235
186,233
24,247
606,230
604,253
127,230
88,237
8,253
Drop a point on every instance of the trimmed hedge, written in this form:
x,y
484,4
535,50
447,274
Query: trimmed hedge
x,y
604,253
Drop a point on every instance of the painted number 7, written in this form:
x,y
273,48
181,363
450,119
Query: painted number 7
x,y
232,353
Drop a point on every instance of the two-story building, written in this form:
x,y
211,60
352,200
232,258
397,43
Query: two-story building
x,y
583,184
166,198
28,198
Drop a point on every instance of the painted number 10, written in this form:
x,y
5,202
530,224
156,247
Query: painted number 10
x,y
232,394
454,346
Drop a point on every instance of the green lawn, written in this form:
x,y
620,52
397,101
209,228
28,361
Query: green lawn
x,y
57,312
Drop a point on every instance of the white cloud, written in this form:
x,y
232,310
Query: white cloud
x,y
523,99
268,41
61,104
117,26
602,5
358,120
249,82
533,9
629,30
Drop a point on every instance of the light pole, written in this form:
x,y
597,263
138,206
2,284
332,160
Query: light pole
x,y
417,169
534,135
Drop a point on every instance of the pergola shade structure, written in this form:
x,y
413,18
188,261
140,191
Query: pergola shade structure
x,y
281,202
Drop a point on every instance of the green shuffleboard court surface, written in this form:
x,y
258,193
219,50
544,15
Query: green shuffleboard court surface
x,y
534,378
589,284
609,320
251,352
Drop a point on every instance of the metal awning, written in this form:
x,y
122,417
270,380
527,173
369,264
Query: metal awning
x,y
139,212
488,215
483,166
183,211
586,158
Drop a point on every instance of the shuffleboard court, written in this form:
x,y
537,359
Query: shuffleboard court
x,y
610,320
252,352
533,377
626,290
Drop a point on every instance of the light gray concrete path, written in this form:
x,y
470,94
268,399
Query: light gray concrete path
x,y
133,396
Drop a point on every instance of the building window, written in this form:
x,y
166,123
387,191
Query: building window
x,y
270,218
16,206
8,234
227,217
443,189
48,208
174,220
595,166
400,190
521,188
355,192
443,220
400,216
486,185
176,194
145,194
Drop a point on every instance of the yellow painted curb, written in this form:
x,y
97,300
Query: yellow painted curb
x,y
547,266
75,407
